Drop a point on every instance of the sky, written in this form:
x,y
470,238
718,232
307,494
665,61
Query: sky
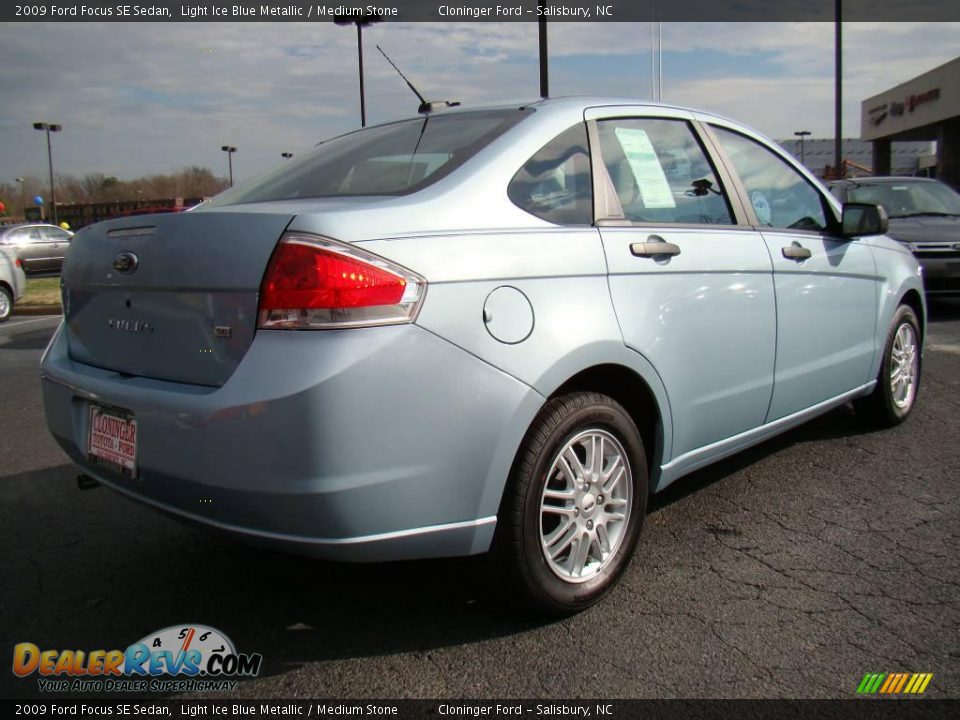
x,y
146,98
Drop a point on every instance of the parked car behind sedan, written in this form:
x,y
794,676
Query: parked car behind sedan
x,y
497,329
924,215
12,282
40,247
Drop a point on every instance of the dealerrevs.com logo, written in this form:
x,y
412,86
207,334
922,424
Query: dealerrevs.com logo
x,y
180,658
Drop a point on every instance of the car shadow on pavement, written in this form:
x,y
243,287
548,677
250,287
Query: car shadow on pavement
x,y
841,422
93,570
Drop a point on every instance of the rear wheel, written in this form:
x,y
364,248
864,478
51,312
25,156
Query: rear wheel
x,y
6,304
896,392
575,503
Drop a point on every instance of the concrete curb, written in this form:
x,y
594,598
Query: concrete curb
x,y
36,310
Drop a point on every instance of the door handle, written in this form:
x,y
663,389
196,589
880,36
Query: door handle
x,y
795,251
655,246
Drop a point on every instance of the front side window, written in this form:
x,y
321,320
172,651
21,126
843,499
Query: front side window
x,y
555,183
780,196
661,173
394,159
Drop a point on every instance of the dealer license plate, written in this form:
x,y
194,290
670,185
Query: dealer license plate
x,y
112,440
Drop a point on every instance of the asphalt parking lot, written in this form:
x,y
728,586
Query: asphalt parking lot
x,y
790,570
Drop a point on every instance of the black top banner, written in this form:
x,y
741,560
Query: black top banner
x,y
483,11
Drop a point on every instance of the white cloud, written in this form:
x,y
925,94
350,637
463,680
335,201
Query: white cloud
x,y
146,98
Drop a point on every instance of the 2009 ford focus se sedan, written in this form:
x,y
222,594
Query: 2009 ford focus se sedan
x,y
496,329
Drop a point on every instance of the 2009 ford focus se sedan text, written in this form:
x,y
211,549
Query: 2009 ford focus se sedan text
x,y
495,329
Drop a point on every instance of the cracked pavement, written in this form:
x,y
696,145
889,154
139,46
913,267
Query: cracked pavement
x,y
790,570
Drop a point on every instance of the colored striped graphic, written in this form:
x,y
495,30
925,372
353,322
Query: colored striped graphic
x,y
894,683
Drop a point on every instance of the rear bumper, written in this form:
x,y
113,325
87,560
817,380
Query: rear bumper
x,y
372,444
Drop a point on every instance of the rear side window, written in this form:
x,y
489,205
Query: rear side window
x,y
661,173
555,183
56,234
781,197
394,159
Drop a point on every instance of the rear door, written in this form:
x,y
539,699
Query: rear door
x,y
31,248
56,244
826,285
691,283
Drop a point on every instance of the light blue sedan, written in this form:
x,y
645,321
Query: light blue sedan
x,y
495,329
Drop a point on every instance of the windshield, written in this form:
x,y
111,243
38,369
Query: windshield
x,y
393,159
908,198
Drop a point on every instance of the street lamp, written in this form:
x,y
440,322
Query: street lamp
x,y
360,21
49,128
23,196
801,134
229,150
286,155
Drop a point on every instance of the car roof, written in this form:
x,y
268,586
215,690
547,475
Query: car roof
x,y
884,180
563,104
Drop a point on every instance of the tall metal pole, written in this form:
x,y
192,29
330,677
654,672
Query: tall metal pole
x,y
659,55
49,128
53,192
542,23
838,90
229,150
363,100
360,20
23,196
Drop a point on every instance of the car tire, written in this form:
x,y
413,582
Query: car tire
x,y
564,542
6,304
895,394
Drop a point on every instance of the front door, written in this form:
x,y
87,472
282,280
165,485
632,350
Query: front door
x,y
826,285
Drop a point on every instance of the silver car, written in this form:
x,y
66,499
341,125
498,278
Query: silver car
x,y
496,329
41,248
12,282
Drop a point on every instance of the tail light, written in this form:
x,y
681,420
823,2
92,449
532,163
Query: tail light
x,y
18,262
314,283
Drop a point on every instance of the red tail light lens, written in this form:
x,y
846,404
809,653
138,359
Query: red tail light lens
x,y
317,283
17,262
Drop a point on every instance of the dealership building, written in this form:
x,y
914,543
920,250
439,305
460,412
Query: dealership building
x,y
926,108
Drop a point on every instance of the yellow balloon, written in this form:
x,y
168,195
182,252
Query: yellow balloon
x,y
65,225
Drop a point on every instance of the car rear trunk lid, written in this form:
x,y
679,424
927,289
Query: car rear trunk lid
x,y
172,297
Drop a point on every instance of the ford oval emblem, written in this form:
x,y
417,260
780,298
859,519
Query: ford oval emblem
x,y
126,262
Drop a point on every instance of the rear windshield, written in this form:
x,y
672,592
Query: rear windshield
x,y
394,159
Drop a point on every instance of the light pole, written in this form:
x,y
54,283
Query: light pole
x,y
361,21
838,89
23,196
286,155
229,150
801,134
49,128
542,28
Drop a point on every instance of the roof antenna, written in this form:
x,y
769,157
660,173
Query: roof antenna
x,y
426,106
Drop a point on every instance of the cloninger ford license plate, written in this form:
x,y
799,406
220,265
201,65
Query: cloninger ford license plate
x,y
112,440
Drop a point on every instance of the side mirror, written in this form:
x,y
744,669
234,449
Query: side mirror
x,y
864,219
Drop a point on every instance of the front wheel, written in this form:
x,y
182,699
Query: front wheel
x,y
6,304
575,503
896,392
